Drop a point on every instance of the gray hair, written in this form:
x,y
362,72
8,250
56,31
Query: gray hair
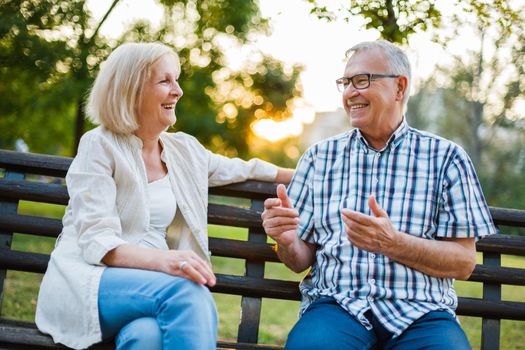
x,y
116,94
397,60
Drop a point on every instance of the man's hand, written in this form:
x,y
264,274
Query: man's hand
x,y
280,219
445,258
375,233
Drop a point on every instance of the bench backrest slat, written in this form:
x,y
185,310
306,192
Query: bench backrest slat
x,y
32,163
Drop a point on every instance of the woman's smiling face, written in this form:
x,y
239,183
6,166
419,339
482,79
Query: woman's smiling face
x,y
160,95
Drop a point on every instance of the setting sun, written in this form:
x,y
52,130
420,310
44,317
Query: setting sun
x,y
274,131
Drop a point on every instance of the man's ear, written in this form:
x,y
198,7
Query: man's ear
x,y
401,87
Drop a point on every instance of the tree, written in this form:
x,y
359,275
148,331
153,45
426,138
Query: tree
x,y
49,52
219,103
396,20
475,103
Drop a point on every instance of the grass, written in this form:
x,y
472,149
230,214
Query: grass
x,y
277,316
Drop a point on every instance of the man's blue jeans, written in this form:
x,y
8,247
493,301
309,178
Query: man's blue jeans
x,y
326,325
153,310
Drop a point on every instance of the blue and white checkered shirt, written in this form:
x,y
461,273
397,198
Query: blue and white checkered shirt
x,y
428,187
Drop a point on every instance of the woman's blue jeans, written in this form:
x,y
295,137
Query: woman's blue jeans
x,y
152,310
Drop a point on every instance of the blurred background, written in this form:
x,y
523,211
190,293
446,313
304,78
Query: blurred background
x,y
258,76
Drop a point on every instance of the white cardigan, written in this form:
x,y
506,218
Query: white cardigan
x,y
107,207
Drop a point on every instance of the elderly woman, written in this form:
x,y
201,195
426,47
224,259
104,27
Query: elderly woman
x,y
132,261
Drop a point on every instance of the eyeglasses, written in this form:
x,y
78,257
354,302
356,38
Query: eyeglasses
x,y
360,81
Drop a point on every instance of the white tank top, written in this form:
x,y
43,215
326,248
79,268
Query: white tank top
x,y
162,207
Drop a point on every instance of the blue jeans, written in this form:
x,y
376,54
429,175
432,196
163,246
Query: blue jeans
x,y
153,310
326,325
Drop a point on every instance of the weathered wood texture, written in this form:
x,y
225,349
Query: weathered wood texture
x,y
38,178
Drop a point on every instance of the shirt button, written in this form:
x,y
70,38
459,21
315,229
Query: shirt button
x,y
372,256
369,298
372,281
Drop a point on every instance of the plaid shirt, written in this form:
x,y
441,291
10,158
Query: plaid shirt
x,y
428,187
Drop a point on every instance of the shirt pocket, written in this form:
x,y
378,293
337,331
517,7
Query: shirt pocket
x,y
414,211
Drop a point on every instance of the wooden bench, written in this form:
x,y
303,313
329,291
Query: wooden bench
x,y
38,178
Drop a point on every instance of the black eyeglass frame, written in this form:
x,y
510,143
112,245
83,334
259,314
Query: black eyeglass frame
x,y
343,82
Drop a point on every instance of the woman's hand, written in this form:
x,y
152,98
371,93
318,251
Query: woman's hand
x,y
184,263
187,264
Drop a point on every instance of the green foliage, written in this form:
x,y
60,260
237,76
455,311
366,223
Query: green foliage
x,y
46,66
396,20
474,102
51,51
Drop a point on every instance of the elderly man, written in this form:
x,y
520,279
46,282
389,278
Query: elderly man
x,y
385,215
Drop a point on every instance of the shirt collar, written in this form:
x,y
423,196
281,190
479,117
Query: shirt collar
x,y
393,141
398,135
136,142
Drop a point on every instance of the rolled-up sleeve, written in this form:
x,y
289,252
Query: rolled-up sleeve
x,y
463,210
92,192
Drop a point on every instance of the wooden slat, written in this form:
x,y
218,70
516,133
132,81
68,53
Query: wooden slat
x,y
256,287
508,217
262,252
33,163
23,261
510,310
34,191
18,335
249,189
29,224
242,249
503,244
233,216
252,251
238,285
57,194
49,227
498,275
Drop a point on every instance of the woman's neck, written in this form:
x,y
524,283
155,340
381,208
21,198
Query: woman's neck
x,y
150,141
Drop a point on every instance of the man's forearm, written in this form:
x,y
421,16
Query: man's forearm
x,y
298,255
445,258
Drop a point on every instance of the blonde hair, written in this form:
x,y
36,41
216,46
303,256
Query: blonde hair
x,y
116,93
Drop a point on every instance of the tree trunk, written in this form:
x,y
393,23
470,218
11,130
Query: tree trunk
x,y
79,125
476,119
476,122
